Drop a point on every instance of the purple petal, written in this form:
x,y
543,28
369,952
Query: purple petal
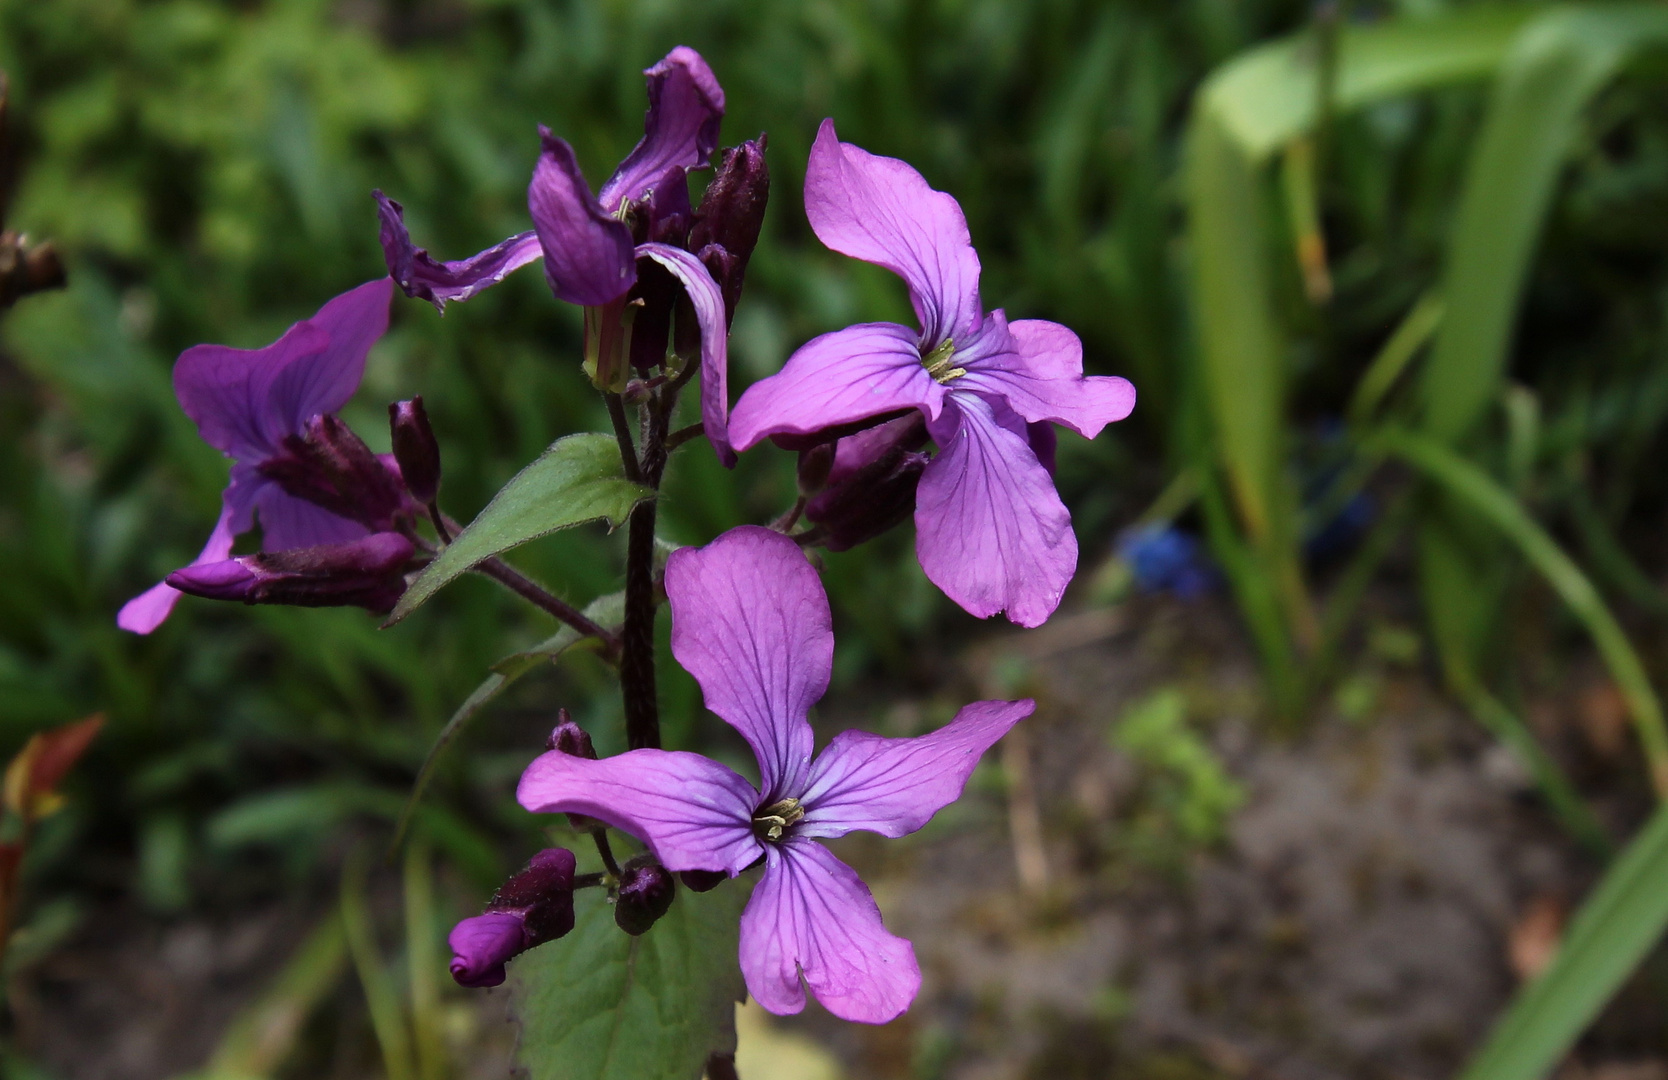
x,y
882,211
990,529
893,786
147,611
421,275
838,378
481,945
288,522
588,258
811,914
1040,375
750,621
693,813
245,401
708,301
686,106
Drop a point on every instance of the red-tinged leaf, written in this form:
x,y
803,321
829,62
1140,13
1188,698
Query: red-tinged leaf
x,y
43,762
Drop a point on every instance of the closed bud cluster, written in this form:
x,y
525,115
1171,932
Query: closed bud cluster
x,y
415,449
645,894
368,573
731,215
871,486
533,907
331,467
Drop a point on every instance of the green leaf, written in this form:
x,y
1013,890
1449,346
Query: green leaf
x,y
1479,493
1554,68
1622,918
607,611
602,1005
578,479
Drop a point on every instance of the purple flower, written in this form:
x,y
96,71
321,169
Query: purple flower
x,y
247,403
533,907
368,573
591,243
751,622
991,530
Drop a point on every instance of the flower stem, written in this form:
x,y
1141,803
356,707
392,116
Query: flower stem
x,y
529,590
685,434
790,517
637,678
606,850
622,435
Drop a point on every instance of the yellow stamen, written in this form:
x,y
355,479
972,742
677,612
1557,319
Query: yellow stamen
x,y
937,363
777,817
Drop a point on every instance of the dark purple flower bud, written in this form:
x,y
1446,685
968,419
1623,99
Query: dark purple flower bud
x,y
330,466
368,573
731,215
415,449
569,738
815,464
702,880
533,907
871,487
645,894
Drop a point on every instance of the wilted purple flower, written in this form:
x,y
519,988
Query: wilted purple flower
x,y
247,403
991,530
751,622
533,907
368,573
591,243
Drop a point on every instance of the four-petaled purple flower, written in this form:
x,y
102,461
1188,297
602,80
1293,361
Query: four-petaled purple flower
x,y
991,530
591,243
751,622
247,403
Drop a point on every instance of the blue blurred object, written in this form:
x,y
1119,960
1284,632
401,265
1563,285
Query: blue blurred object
x,y
1339,536
1163,558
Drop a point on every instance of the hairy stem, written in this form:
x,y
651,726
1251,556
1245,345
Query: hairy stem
x,y
684,434
529,590
622,435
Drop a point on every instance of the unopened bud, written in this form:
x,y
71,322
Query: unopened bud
x,y
367,573
415,449
814,467
569,738
702,880
871,487
332,467
533,907
731,215
645,894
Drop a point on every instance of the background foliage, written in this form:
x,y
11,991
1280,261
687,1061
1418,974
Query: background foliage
x,y
206,167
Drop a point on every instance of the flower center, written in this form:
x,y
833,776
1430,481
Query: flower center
x,y
772,821
938,362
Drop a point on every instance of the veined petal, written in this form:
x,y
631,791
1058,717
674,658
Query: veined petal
x,y
588,257
812,914
1040,376
851,374
893,786
686,106
750,622
880,210
151,608
708,300
990,529
245,401
288,522
422,276
692,812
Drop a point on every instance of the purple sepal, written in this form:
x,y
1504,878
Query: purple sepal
x,y
332,468
424,277
569,738
871,485
416,451
368,573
